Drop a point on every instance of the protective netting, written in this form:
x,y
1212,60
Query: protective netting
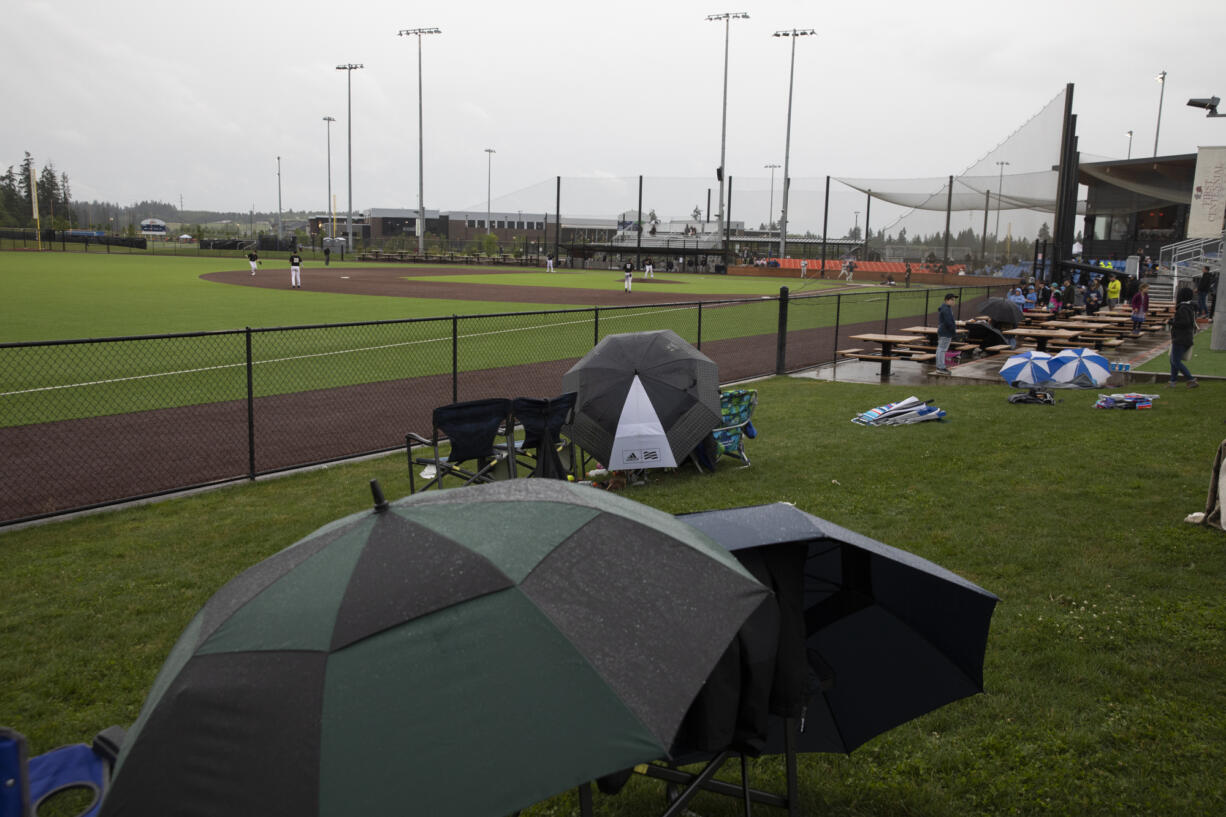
x,y
1016,177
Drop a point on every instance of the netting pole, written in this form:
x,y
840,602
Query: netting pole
x,y
868,210
638,244
557,223
949,203
825,222
983,247
728,223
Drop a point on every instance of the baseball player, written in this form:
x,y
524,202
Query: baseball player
x,y
629,270
254,260
295,271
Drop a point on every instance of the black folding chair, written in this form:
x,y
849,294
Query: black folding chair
x,y
543,420
472,428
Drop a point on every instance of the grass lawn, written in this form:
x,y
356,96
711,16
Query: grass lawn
x,y
1202,360
1106,666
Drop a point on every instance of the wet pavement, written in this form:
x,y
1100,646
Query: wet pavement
x,y
986,370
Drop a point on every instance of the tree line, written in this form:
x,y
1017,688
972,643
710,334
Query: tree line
x,y
55,208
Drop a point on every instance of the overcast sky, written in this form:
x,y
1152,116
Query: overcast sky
x,y
138,100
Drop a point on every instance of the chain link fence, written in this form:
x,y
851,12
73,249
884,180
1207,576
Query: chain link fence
x,y
89,423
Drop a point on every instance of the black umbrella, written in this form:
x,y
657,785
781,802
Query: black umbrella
x,y
1002,310
886,636
985,334
466,652
681,402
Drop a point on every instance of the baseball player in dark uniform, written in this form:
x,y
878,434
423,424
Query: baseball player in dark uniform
x,y
295,271
254,259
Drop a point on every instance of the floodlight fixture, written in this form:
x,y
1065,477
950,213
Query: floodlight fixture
x,y
421,155
1208,103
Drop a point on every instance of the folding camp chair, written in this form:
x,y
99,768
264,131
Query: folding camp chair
x,y
543,420
27,784
736,408
472,428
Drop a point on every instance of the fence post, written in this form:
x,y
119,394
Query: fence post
x,y
250,411
781,344
885,326
700,326
838,310
455,358
595,325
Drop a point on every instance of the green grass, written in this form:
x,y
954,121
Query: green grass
x,y
1202,360
1106,667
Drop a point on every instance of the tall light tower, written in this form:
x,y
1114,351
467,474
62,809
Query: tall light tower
x,y
1000,186
1129,135
770,220
794,34
421,160
489,186
1161,81
331,215
721,172
349,68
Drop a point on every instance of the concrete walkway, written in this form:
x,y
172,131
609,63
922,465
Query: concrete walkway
x,y
986,370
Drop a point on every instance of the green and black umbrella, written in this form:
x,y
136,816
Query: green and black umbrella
x,y
466,652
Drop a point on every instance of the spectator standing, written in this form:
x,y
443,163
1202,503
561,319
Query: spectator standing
x,y
947,327
1183,331
1113,290
1204,285
1140,307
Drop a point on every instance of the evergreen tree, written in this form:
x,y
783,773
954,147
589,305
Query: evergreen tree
x,y
25,218
10,199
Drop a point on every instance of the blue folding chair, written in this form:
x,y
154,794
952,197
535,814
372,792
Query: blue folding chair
x,y
29,784
472,428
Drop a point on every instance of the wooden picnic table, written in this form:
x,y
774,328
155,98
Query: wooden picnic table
x,y
1081,325
1041,336
887,343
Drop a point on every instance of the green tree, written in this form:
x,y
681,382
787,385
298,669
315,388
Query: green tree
x,y
489,244
1044,232
10,199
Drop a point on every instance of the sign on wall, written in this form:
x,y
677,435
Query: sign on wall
x,y
1205,219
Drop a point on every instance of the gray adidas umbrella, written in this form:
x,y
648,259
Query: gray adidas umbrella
x,y
465,652
887,635
680,382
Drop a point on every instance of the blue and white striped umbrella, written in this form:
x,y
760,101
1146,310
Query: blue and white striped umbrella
x,y
1030,368
1080,367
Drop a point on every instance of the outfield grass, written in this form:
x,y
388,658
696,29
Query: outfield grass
x,y
1106,666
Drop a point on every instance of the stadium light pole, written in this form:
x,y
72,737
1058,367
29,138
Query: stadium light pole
x,y
328,120
1129,135
1161,80
770,220
421,160
349,68
1000,186
489,186
727,17
794,34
